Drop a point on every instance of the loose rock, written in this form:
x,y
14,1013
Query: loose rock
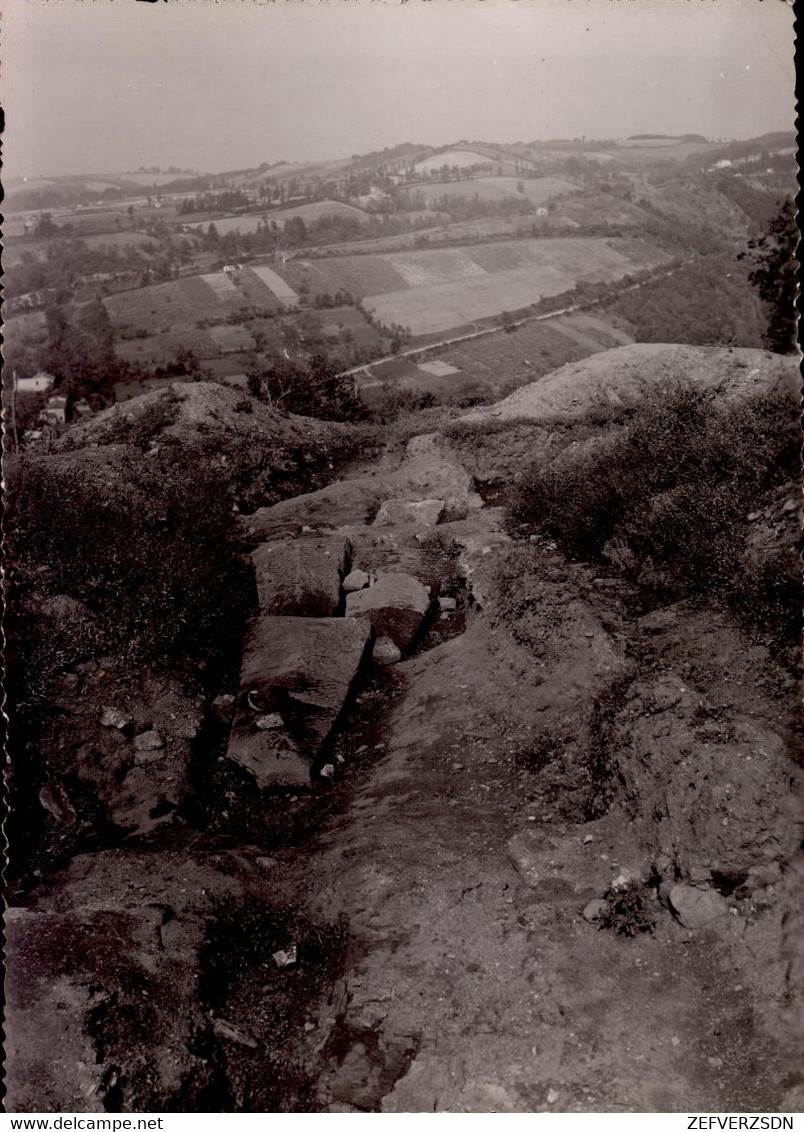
x,y
696,907
232,1034
286,957
337,505
149,741
594,910
113,718
385,651
356,580
272,758
222,708
395,607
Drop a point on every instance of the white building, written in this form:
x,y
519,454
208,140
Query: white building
x,y
55,411
40,383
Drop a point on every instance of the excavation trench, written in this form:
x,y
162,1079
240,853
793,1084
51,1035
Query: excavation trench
x,y
410,932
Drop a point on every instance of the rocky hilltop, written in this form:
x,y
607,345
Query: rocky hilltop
x,y
432,783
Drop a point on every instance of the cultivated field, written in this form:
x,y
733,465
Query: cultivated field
x,y
423,269
221,284
109,221
231,339
162,349
146,180
307,212
515,274
431,290
14,246
650,153
463,158
256,291
137,240
361,275
538,190
496,364
348,320
24,326
231,348
277,285
180,303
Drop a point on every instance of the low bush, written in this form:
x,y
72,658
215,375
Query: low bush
x,y
667,499
395,402
627,910
157,563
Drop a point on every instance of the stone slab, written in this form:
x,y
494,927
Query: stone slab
x,y
421,513
336,505
301,577
302,668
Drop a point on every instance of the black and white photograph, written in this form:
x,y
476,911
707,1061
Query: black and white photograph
x,y
401,559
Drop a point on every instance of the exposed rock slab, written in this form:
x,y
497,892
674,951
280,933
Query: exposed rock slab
x,y
337,505
271,757
430,471
301,577
395,550
409,513
395,605
302,668
631,371
476,542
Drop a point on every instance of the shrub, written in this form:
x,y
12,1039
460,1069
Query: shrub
x,y
395,402
667,498
157,563
626,910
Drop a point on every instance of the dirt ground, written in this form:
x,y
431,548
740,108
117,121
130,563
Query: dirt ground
x,y
474,983
557,868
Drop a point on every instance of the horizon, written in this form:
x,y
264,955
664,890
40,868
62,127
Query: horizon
x,y
232,87
448,145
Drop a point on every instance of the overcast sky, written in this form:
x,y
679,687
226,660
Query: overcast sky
x,y
108,85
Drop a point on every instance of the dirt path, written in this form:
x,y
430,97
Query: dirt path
x,y
479,991
462,854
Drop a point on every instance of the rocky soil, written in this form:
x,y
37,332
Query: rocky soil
x,y
421,853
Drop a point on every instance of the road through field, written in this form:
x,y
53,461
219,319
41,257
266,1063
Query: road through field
x,y
415,351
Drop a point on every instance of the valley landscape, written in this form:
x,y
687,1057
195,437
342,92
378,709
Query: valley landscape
x,y
402,627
